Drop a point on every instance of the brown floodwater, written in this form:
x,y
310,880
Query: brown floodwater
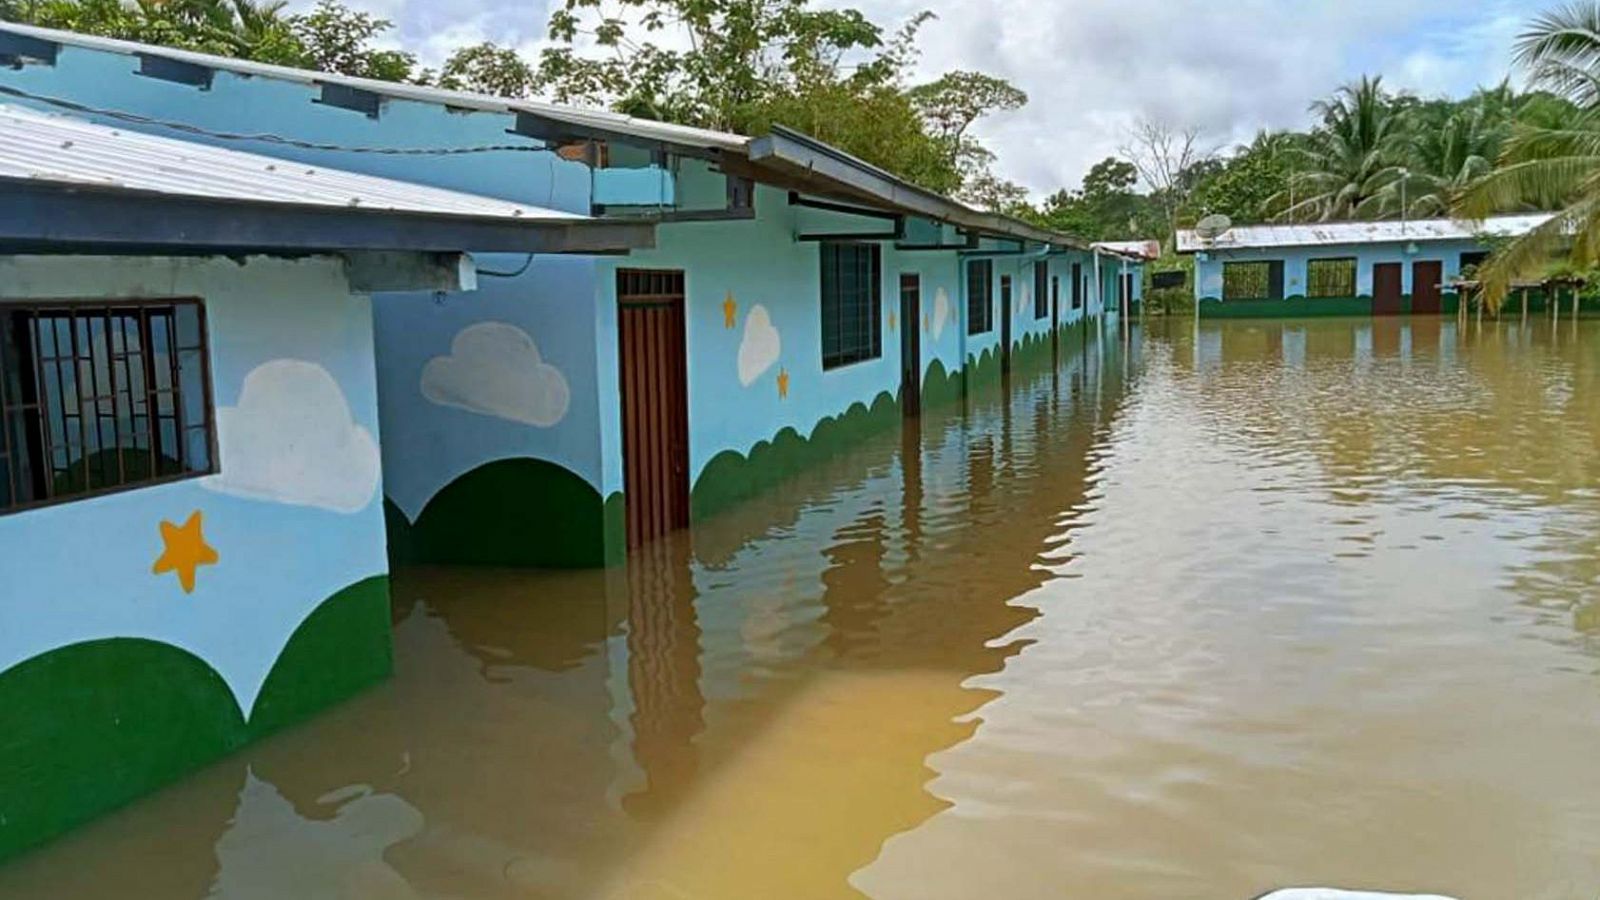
x,y
1196,616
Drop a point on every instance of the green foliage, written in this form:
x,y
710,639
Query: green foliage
x,y
1107,208
1550,160
330,38
487,68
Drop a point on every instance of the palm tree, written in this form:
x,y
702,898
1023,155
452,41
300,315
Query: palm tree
x,y
1357,150
1448,149
1549,167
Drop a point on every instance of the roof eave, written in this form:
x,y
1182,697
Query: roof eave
x,y
39,213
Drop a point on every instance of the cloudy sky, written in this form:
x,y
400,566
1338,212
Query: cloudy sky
x,y
1091,67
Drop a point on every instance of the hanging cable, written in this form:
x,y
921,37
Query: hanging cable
x,y
134,118
525,264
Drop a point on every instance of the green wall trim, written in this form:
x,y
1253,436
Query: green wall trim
x,y
340,649
731,477
522,512
89,727
1295,307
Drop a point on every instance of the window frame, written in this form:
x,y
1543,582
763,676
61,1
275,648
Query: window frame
x,y
1274,269
1354,277
874,313
103,309
986,266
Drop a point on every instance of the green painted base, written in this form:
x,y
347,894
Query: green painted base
x,y
87,728
513,512
732,477
1301,307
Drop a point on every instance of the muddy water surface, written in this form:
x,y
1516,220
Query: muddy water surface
x,y
1198,616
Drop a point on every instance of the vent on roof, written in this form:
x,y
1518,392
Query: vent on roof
x,y
346,97
18,49
175,71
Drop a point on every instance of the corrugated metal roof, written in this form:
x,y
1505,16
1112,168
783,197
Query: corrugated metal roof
x,y
590,118
1144,250
44,147
1326,233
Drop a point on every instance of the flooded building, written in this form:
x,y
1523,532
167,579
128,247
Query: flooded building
x,y
1341,268
191,525
795,298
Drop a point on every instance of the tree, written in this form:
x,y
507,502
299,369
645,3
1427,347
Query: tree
x,y
335,38
1549,166
957,100
1106,208
1164,154
1244,185
740,52
487,68
1356,151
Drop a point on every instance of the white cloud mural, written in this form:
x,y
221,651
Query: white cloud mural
x,y
291,439
494,369
759,349
1024,299
941,312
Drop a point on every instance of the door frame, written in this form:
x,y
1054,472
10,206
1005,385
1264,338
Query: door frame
x,y
911,343
646,517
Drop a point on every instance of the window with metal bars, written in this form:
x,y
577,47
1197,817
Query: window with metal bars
x,y
1252,280
1331,277
101,397
980,296
1041,289
852,303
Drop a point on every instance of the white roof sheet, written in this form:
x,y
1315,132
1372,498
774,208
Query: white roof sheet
x,y
48,147
1146,250
592,118
1324,233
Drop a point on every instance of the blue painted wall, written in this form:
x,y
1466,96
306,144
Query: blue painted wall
x,y
447,366
295,519
1208,270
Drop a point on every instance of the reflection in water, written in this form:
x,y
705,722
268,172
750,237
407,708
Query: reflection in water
x,y
1191,614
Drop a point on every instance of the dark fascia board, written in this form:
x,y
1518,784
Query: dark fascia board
x,y
34,213
804,152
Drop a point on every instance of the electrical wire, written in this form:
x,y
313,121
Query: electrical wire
x,y
492,274
279,140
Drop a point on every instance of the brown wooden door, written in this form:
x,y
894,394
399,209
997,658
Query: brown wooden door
x,y
1425,286
911,344
1387,299
655,402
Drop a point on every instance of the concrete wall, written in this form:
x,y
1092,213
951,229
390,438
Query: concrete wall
x,y
500,409
1209,265
113,678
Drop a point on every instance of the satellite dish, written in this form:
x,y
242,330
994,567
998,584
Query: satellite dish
x,y
1212,227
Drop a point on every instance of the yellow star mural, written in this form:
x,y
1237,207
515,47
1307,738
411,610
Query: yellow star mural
x,y
891,320
783,383
185,551
730,311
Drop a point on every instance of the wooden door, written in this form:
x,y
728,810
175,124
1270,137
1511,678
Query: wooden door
x,y
1055,313
1005,323
655,402
1426,276
911,344
1387,299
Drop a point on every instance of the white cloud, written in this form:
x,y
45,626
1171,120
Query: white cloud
x,y
941,312
759,349
495,369
291,439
